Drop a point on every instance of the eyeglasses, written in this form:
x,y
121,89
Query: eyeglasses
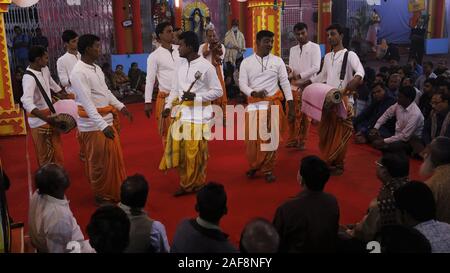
x,y
378,164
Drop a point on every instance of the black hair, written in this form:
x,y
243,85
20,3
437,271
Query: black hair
x,y
176,29
402,239
161,27
264,34
134,191
35,52
212,202
85,41
259,236
300,26
430,81
314,172
337,27
397,164
191,40
109,230
68,35
17,27
428,63
409,92
117,66
51,178
134,63
381,84
406,200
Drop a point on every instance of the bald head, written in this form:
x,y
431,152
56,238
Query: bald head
x,y
440,151
259,236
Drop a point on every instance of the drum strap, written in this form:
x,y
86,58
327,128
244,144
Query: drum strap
x,y
43,93
344,66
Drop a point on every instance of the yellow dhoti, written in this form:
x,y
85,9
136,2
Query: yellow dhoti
x,y
104,163
187,150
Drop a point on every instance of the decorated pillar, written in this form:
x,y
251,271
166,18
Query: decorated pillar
x,y
266,15
137,27
178,10
436,10
324,20
12,120
119,17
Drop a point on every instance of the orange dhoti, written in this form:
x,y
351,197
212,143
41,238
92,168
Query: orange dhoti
x,y
263,159
163,123
334,134
47,143
48,146
104,163
298,130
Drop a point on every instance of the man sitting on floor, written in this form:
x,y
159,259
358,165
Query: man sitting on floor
x,y
203,234
309,222
408,127
382,100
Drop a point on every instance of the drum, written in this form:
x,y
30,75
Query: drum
x,y
319,97
67,112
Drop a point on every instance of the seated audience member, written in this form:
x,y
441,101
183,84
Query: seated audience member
x,y
259,236
109,77
425,100
437,164
109,230
394,81
380,78
137,78
381,101
146,234
401,239
408,82
392,171
203,234
310,221
438,123
121,80
415,68
441,67
427,74
408,126
443,85
404,71
51,222
363,98
417,208
393,54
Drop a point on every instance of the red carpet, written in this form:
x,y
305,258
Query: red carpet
x,y
227,165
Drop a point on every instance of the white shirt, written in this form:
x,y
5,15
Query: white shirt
x,y
161,64
331,70
64,66
207,88
305,61
32,97
52,224
409,122
258,74
91,92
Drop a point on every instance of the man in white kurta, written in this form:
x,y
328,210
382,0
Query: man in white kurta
x,y
46,137
161,65
66,62
304,62
259,76
98,123
188,151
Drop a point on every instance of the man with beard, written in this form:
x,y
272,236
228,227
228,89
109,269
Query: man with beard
x,y
437,164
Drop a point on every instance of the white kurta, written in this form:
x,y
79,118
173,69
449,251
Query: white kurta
x,y
258,74
161,64
91,91
207,89
32,97
305,61
64,66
